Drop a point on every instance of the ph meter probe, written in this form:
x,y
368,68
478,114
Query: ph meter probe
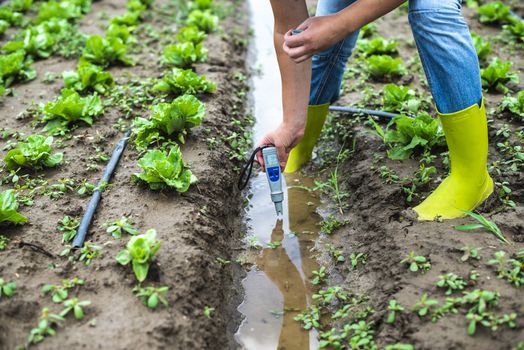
x,y
274,177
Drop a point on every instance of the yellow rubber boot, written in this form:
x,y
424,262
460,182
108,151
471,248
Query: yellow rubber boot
x,y
302,152
468,183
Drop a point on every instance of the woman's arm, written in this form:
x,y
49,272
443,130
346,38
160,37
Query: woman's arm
x,y
323,32
296,79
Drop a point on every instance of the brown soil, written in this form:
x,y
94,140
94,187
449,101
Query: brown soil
x,y
195,228
379,227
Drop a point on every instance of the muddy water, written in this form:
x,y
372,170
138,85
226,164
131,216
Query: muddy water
x,y
278,285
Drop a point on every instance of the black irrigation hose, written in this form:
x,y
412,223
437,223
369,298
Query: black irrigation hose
x,y
78,242
371,112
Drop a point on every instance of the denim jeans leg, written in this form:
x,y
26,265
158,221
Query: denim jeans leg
x,y
328,66
447,53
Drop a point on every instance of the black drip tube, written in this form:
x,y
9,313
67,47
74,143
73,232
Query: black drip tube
x,y
78,242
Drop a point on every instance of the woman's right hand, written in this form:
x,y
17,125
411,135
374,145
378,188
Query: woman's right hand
x,y
284,137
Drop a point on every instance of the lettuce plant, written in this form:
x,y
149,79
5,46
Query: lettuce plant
x,y
483,48
411,134
494,12
88,77
515,30
161,170
35,152
400,98
10,16
121,32
168,119
514,104
497,75
381,66
105,51
191,34
70,108
203,20
4,25
201,4
66,9
15,67
184,81
9,207
140,251
377,46
184,54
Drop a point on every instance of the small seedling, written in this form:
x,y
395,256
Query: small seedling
x,y
357,258
416,262
274,245
393,308
150,296
3,242
337,254
331,224
309,318
319,276
89,252
117,228
45,327
253,243
483,223
68,227
326,296
424,305
222,262
76,306
208,311
7,289
452,282
60,293
470,253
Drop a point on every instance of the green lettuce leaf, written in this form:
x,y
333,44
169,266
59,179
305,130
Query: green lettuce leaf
x,y
161,170
35,152
15,67
203,20
88,77
9,207
105,51
169,119
184,54
184,81
191,34
69,108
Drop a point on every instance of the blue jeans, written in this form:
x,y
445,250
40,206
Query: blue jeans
x,y
444,45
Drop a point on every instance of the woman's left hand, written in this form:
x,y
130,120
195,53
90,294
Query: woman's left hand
x,y
319,33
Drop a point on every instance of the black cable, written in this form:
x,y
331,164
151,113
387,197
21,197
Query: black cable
x,y
243,180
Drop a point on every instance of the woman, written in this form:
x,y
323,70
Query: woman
x,y
450,64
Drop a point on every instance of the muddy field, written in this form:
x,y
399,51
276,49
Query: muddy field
x,y
195,227
379,224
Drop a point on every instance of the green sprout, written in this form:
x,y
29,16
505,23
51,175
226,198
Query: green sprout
x,y
416,262
150,296
483,223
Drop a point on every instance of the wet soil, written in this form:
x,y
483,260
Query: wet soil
x,y
195,228
379,224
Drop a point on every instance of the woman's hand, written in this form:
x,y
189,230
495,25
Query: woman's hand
x,y
319,33
284,137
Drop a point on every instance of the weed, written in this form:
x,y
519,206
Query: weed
x,y
509,269
208,311
416,262
68,226
310,318
60,293
331,224
150,296
319,276
470,253
483,223
76,306
425,305
7,289
117,228
393,308
3,242
452,282
274,245
45,327
357,258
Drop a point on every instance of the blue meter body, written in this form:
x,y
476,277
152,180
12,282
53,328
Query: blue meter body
x,y
274,177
